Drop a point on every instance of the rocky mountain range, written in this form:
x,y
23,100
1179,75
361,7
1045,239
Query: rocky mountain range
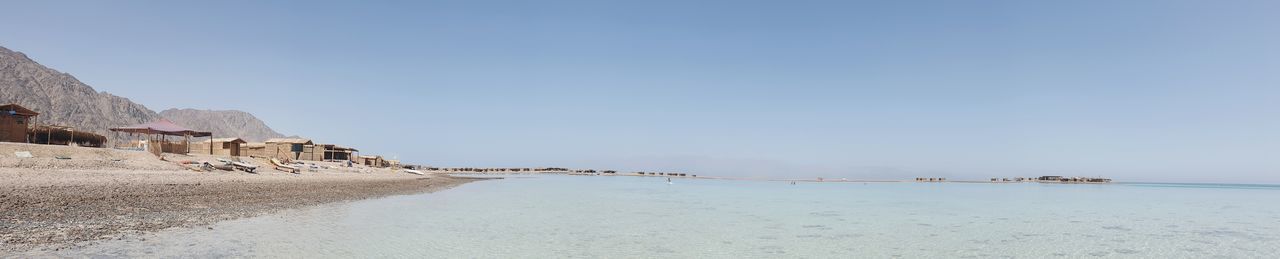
x,y
223,123
63,100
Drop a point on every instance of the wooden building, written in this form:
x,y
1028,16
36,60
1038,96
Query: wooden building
x,y
59,135
257,149
332,152
290,148
373,161
157,134
220,147
15,123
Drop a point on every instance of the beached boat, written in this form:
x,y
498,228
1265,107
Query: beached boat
x,y
283,167
219,166
249,168
413,171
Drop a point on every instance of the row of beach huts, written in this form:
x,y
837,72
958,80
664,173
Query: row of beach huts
x,y
20,124
292,149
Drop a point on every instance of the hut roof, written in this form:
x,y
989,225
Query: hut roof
x,y
17,110
289,140
255,145
164,127
66,132
227,140
337,147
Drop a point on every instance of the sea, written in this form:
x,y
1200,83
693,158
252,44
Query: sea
x,y
646,217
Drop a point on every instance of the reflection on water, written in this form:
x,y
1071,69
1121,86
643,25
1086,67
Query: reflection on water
x,y
1209,185
593,217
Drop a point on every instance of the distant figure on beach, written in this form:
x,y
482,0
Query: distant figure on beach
x,y
793,182
669,180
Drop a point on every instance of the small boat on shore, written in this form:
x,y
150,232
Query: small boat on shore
x,y
283,167
413,171
219,166
246,167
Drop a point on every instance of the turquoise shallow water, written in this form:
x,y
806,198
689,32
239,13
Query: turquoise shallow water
x,y
634,217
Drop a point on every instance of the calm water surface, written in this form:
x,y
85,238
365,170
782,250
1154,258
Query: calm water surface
x,y
635,217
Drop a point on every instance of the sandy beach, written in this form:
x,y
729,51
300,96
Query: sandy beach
x,y
96,194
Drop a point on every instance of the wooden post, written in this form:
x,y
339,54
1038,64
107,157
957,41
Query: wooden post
x,y
210,143
6,136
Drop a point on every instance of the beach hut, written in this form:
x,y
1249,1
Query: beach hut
x,y
157,133
290,148
15,123
61,135
332,152
220,147
374,161
256,149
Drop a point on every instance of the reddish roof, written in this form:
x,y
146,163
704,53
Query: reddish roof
x,y
165,127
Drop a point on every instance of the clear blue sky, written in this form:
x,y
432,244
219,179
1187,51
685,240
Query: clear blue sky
x,y
1134,90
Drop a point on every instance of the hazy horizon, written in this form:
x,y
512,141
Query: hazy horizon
x,y
1175,91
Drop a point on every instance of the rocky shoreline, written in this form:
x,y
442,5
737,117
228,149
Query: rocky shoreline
x,y
47,209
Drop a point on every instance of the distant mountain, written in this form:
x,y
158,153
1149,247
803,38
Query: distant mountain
x,y
223,123
61,99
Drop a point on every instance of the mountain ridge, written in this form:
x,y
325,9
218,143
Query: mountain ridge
x,y
63,100
228,123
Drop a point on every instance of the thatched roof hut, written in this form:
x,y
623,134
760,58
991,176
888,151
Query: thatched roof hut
x,y
59,135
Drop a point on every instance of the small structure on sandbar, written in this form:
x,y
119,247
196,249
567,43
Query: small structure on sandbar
x,y
1061,179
